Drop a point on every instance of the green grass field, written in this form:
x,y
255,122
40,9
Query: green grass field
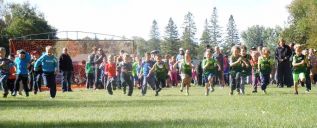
x,y
87,108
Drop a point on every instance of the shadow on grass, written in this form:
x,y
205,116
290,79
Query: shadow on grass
x,y
77,104
188,123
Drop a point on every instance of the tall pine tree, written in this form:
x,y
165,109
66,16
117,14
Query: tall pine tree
x,y
215,29
171,40
232,37
188,38
205,37
154,41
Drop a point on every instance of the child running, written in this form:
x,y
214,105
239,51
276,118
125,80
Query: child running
x,y
299,67
49,66
21,63
160,69
235,62
265,65
148,78
126,75
246,68
210,67
255,71
186,71
110,70
5,65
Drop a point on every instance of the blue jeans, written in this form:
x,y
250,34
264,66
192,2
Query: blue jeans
x,y
235,79
3,82
49,79
265,80
66,81
37,81
147,80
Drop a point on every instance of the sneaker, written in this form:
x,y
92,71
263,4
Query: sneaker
x,y
181,90
241,92
27,94
206,93
231,93
20,93
187,93
14,94
296,93
254,91
158,90
212,89
5,95
264,92
307,91
156,94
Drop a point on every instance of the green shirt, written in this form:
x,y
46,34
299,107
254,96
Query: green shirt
x,y
299,68
212,65
161,70
186,68
134,69
89,68
246,71
237,67
265,65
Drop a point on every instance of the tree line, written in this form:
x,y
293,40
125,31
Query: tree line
x,y
22,19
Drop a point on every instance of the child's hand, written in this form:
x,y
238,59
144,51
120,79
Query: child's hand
x,y
240,59
2,63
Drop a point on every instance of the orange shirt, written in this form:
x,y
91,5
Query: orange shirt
x,y
110,69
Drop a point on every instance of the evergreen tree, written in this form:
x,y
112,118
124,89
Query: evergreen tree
x,y
232,37
188,38
205,37
154,37
215,29
171,40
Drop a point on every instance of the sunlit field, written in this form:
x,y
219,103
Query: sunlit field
x,y
88,108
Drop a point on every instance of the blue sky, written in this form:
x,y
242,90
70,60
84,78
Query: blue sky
x,y
134,17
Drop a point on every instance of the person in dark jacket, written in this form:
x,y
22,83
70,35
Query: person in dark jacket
x,y
283,54
97,61
66,68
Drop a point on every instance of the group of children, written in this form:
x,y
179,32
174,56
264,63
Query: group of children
x,y
23,68
126,72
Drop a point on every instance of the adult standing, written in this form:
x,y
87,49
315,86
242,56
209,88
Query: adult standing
x,y
97,61
66,68
283,54
90,62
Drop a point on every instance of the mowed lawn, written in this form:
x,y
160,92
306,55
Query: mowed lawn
x,y
87,108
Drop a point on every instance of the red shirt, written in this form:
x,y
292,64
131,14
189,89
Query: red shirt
x,y
110,69
12,73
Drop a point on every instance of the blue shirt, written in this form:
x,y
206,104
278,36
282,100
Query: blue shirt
x,y
22,64
146,67
48,63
